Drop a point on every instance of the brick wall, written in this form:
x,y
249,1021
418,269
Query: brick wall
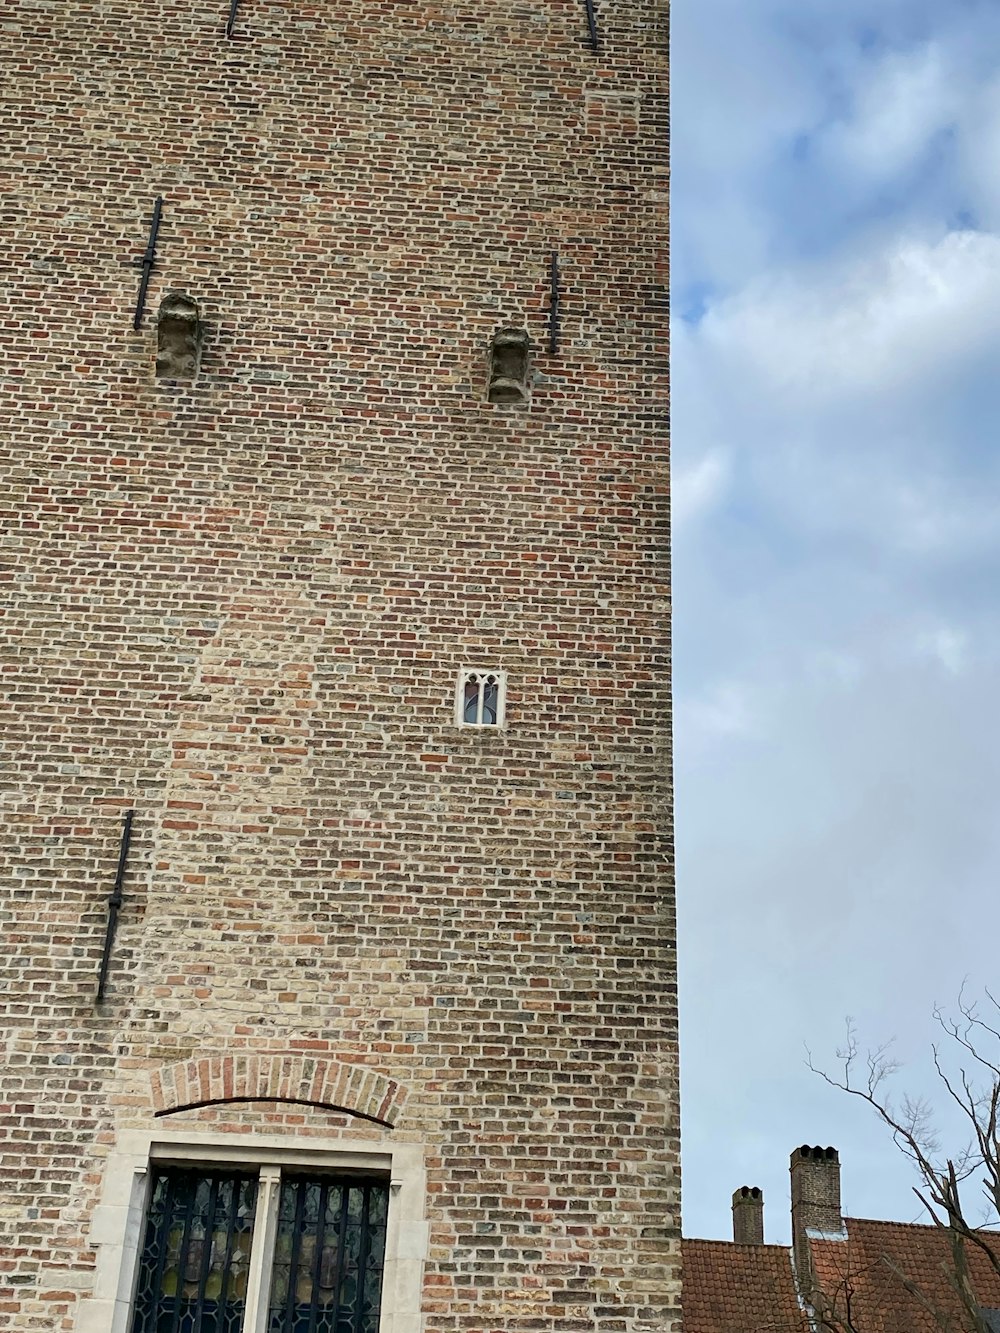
x,y
815,1192
239,605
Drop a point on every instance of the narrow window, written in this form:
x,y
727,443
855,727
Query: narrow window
x,y
480,698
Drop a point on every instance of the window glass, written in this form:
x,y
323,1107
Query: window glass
x,y
328,1258
472,700
196,1252
326,1271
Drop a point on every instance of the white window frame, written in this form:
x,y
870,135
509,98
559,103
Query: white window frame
x,y
119,1220
463,679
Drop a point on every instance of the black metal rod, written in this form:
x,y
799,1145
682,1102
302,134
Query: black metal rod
x,y
146,263
345,1200
233,6
172,1188
182,1261
317,1261
228,1276
207,1251
115,903
364,1251
296,1252
553,303
592,24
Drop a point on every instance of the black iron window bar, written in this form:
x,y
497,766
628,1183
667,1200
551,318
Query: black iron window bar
x,y
115,903
328,1256
195,1260
326,1270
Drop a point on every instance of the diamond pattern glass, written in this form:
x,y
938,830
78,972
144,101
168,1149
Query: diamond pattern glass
x,y
196,1252
329,1254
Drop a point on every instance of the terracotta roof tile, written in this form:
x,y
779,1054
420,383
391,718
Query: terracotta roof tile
x,y
729,1288
873,1263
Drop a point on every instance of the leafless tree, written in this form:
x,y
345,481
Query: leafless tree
x,y
967,1061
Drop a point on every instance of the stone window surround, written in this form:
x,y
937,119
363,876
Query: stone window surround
x,y
119,1219
500,678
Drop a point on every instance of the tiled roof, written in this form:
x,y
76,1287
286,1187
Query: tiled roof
x,y
729,1288
876,1260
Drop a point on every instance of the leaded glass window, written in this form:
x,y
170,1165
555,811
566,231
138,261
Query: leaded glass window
x,y
196,1252
321,1261
328,1256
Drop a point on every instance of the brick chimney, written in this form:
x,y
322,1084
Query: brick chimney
x,y
815,1176
748,1216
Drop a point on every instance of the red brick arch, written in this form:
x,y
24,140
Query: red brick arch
x,y
306,1080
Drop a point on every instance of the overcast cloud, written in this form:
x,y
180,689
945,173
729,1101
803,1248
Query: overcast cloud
x,y
836,250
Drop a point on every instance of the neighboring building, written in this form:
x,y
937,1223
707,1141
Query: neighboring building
x,y
348,573
843,1274
739,1288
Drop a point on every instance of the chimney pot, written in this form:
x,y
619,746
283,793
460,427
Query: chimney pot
x,y
748,1216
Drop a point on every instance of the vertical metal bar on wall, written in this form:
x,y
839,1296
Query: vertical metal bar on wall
x,y
553,303
115,903
592,24
233,6
146,263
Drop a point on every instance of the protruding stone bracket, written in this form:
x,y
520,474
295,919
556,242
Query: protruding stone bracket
x,y
304,1080
509,361
179,334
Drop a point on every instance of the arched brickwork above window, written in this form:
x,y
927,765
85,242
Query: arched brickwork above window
x,y
306,1080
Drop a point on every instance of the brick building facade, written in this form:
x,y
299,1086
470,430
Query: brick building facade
x,y
370,941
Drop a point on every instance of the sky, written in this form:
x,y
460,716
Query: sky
x,y
836,490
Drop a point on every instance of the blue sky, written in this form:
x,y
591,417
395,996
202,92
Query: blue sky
x,y
836,395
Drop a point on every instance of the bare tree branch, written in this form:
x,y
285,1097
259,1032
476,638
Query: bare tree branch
x,y
971,1084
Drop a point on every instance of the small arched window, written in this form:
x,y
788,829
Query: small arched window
x,y
480,698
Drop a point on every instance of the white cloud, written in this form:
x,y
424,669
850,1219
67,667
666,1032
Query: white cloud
x,y
928,515
914,309
724,710
901,102
836,668
948,646
698,487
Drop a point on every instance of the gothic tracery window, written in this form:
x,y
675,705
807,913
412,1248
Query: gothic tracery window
x,y
480,698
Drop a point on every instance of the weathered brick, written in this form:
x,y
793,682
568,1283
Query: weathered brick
x,y
238,603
